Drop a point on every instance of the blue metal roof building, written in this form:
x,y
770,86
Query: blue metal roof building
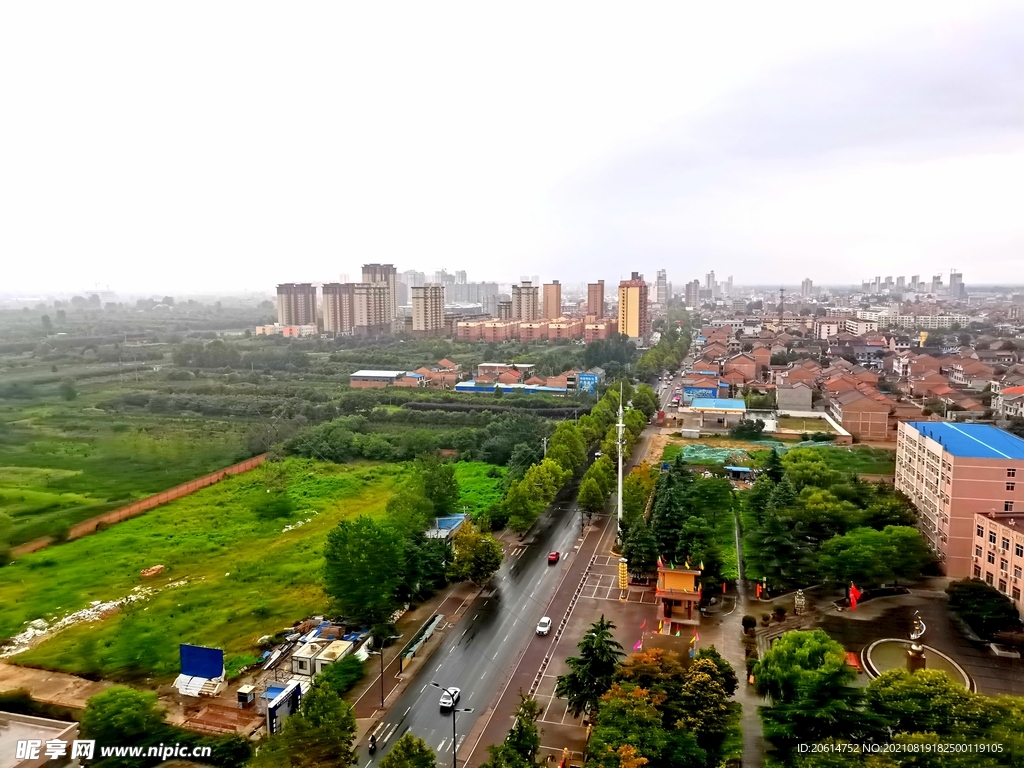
x,y
976,441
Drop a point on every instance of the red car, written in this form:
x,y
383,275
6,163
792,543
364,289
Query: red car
x,y
553,557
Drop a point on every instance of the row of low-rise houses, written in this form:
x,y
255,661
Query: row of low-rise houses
x,y
870,383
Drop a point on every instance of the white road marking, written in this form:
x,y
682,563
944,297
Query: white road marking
x,y
423,688
474,616
440,747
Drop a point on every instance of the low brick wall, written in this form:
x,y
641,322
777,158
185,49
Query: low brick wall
x,y
137,508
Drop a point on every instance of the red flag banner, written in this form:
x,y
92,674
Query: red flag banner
x,y
854,596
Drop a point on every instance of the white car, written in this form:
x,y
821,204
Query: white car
x,y
449,698
544,626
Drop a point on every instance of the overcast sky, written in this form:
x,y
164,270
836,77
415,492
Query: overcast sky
x,y
211,146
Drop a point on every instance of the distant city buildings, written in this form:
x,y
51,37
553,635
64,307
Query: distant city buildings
x,y
387,276
428,310
634,309
691,296
807,288
296,304
552,300
662,290
525,301
595,299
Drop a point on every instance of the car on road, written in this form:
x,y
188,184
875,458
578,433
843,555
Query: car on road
x,y
450,697
544,626
553,557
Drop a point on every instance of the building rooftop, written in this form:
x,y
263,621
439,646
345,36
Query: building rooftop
x,y
976,441
379,374
719,404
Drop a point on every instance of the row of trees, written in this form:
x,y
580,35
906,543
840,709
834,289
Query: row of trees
x,y
653,707
532,491
601,477
673,346
813,699
685,512
373,565
805,521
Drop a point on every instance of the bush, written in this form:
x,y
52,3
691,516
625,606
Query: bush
x,y
749,623
343,675
984,607
780,613
748,430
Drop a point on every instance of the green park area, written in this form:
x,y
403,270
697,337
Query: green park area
x,y
854,460
62,463
235,568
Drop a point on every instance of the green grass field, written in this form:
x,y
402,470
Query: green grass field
x,y
245,577
63,463
478,490
725,537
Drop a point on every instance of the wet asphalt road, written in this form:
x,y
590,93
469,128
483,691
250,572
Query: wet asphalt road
x,y
482,648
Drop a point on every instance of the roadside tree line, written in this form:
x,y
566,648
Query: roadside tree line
x,y
532,491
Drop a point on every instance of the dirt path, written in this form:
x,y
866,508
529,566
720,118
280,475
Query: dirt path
x,y
50,687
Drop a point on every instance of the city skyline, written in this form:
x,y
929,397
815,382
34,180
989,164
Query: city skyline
x,y
794,137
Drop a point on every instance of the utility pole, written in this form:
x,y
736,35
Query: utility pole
x,y
545,441
782,306
619,427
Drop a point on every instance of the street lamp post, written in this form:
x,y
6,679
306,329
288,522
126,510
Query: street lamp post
x,y
381,654
455,740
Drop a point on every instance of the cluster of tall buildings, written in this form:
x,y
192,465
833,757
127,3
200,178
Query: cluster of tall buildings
x,y
440,304
956,289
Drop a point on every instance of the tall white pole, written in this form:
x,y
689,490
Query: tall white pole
x,y
619,427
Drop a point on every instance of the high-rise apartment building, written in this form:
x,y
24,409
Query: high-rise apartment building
x,y
595,299
296,304
936,286
951,472
901,283
915,283
386,275
807,287
957,289
552,300
526,301
428,309
337,307
634,309
709,281
728,285
661,289
691,297
504,311
370,309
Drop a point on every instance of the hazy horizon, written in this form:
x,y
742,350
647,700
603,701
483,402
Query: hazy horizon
x,y
213,150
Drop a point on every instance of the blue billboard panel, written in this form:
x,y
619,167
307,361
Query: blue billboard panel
x,y
691,392
587,382
199,661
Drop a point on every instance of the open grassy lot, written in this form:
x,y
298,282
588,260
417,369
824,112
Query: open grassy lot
x,y
244,576
480,485
61,463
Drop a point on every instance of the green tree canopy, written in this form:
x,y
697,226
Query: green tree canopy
x,y
590,674
410,751
363,568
